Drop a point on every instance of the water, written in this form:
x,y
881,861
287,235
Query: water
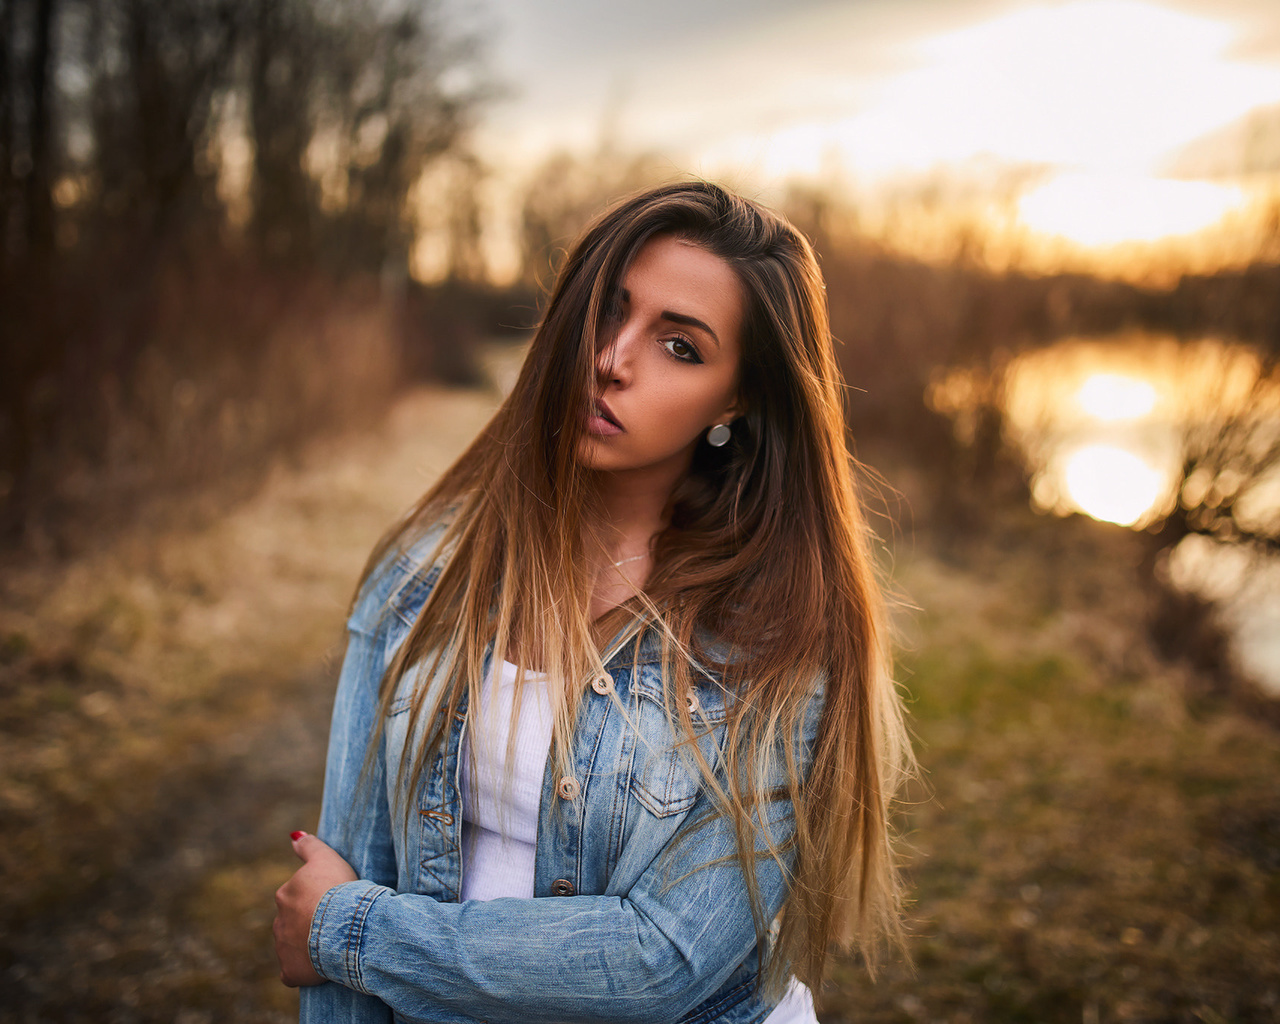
x,y
1135,427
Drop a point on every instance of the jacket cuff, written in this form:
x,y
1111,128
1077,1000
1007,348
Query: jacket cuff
x,y
337,932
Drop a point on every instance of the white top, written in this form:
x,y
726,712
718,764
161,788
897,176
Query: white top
x,y
500,804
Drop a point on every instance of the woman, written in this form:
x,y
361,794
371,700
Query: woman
x,y
614,738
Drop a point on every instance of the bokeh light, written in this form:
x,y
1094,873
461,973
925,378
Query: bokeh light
x,y
1112,483
1110,397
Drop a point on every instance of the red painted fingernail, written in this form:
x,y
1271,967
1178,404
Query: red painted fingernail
x,y
295,836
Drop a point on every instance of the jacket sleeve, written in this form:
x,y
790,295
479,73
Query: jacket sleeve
x,y
354,814
652,955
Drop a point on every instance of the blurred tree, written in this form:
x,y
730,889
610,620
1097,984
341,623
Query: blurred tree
x,y
154,67
8,155
464,222
38,199
26,129
565,192
398,94
129,129
284,52
26,247
1230,477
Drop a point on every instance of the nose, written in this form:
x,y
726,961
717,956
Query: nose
x,y
613,361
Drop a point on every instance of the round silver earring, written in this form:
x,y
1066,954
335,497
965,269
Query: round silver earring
x,y
718,436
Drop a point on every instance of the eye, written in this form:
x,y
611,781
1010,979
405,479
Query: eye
x,y
682,349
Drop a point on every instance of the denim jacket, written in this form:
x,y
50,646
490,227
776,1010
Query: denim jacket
x,y
625,925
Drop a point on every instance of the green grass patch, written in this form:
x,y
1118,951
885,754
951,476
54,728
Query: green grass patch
x,y
1082,847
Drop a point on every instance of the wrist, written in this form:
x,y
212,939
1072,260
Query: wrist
x,y
337,934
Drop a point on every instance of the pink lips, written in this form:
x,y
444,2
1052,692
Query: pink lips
x,y
601,421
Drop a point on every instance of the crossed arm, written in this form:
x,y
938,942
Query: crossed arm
x,y
657,951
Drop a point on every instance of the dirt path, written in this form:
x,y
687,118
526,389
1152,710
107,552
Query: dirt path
x,y
164,705
1090,844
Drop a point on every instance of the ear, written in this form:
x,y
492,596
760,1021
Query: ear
x,y
737,407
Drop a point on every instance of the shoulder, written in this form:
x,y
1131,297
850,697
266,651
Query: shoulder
x,y
399,584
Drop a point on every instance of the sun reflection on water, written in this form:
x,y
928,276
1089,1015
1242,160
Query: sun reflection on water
x,y
1108,427
1110,480
1103,423
1112,483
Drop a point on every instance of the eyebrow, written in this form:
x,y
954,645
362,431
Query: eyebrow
x,y
690,321
679,318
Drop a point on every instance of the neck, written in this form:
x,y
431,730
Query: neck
x,y
635,507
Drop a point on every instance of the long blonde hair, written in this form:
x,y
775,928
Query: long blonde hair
x,y
766,552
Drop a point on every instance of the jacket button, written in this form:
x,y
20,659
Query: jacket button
x,y
568,788
692,701
602,684
562,887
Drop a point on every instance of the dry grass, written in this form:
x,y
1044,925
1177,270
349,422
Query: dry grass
x,y
1083,847
1089,849
163,708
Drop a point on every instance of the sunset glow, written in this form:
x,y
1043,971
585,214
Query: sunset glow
x,y
1102,210
1104,85
1062,125
1110,397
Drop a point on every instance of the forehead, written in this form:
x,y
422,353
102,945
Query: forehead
x,y
681,276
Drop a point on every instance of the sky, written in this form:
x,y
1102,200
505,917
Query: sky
x,y
877,88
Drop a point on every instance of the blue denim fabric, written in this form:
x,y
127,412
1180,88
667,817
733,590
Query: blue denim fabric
x,y
624,925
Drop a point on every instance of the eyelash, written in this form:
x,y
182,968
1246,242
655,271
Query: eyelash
x,y
692,357
614,313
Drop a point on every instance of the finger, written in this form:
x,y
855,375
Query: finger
x,y
308,847
305,839
301,844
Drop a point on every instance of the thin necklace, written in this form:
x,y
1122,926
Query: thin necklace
x,y
633,558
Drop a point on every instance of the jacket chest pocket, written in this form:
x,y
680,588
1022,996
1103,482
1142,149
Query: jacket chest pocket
x,y
406,733
399,741
666,777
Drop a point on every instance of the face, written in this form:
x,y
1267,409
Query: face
x,y
668,361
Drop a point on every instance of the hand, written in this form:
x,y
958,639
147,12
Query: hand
x,y
296,902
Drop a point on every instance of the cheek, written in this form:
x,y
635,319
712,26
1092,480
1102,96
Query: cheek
x,y
691,399
681,413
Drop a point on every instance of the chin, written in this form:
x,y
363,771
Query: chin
x,y
590,455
